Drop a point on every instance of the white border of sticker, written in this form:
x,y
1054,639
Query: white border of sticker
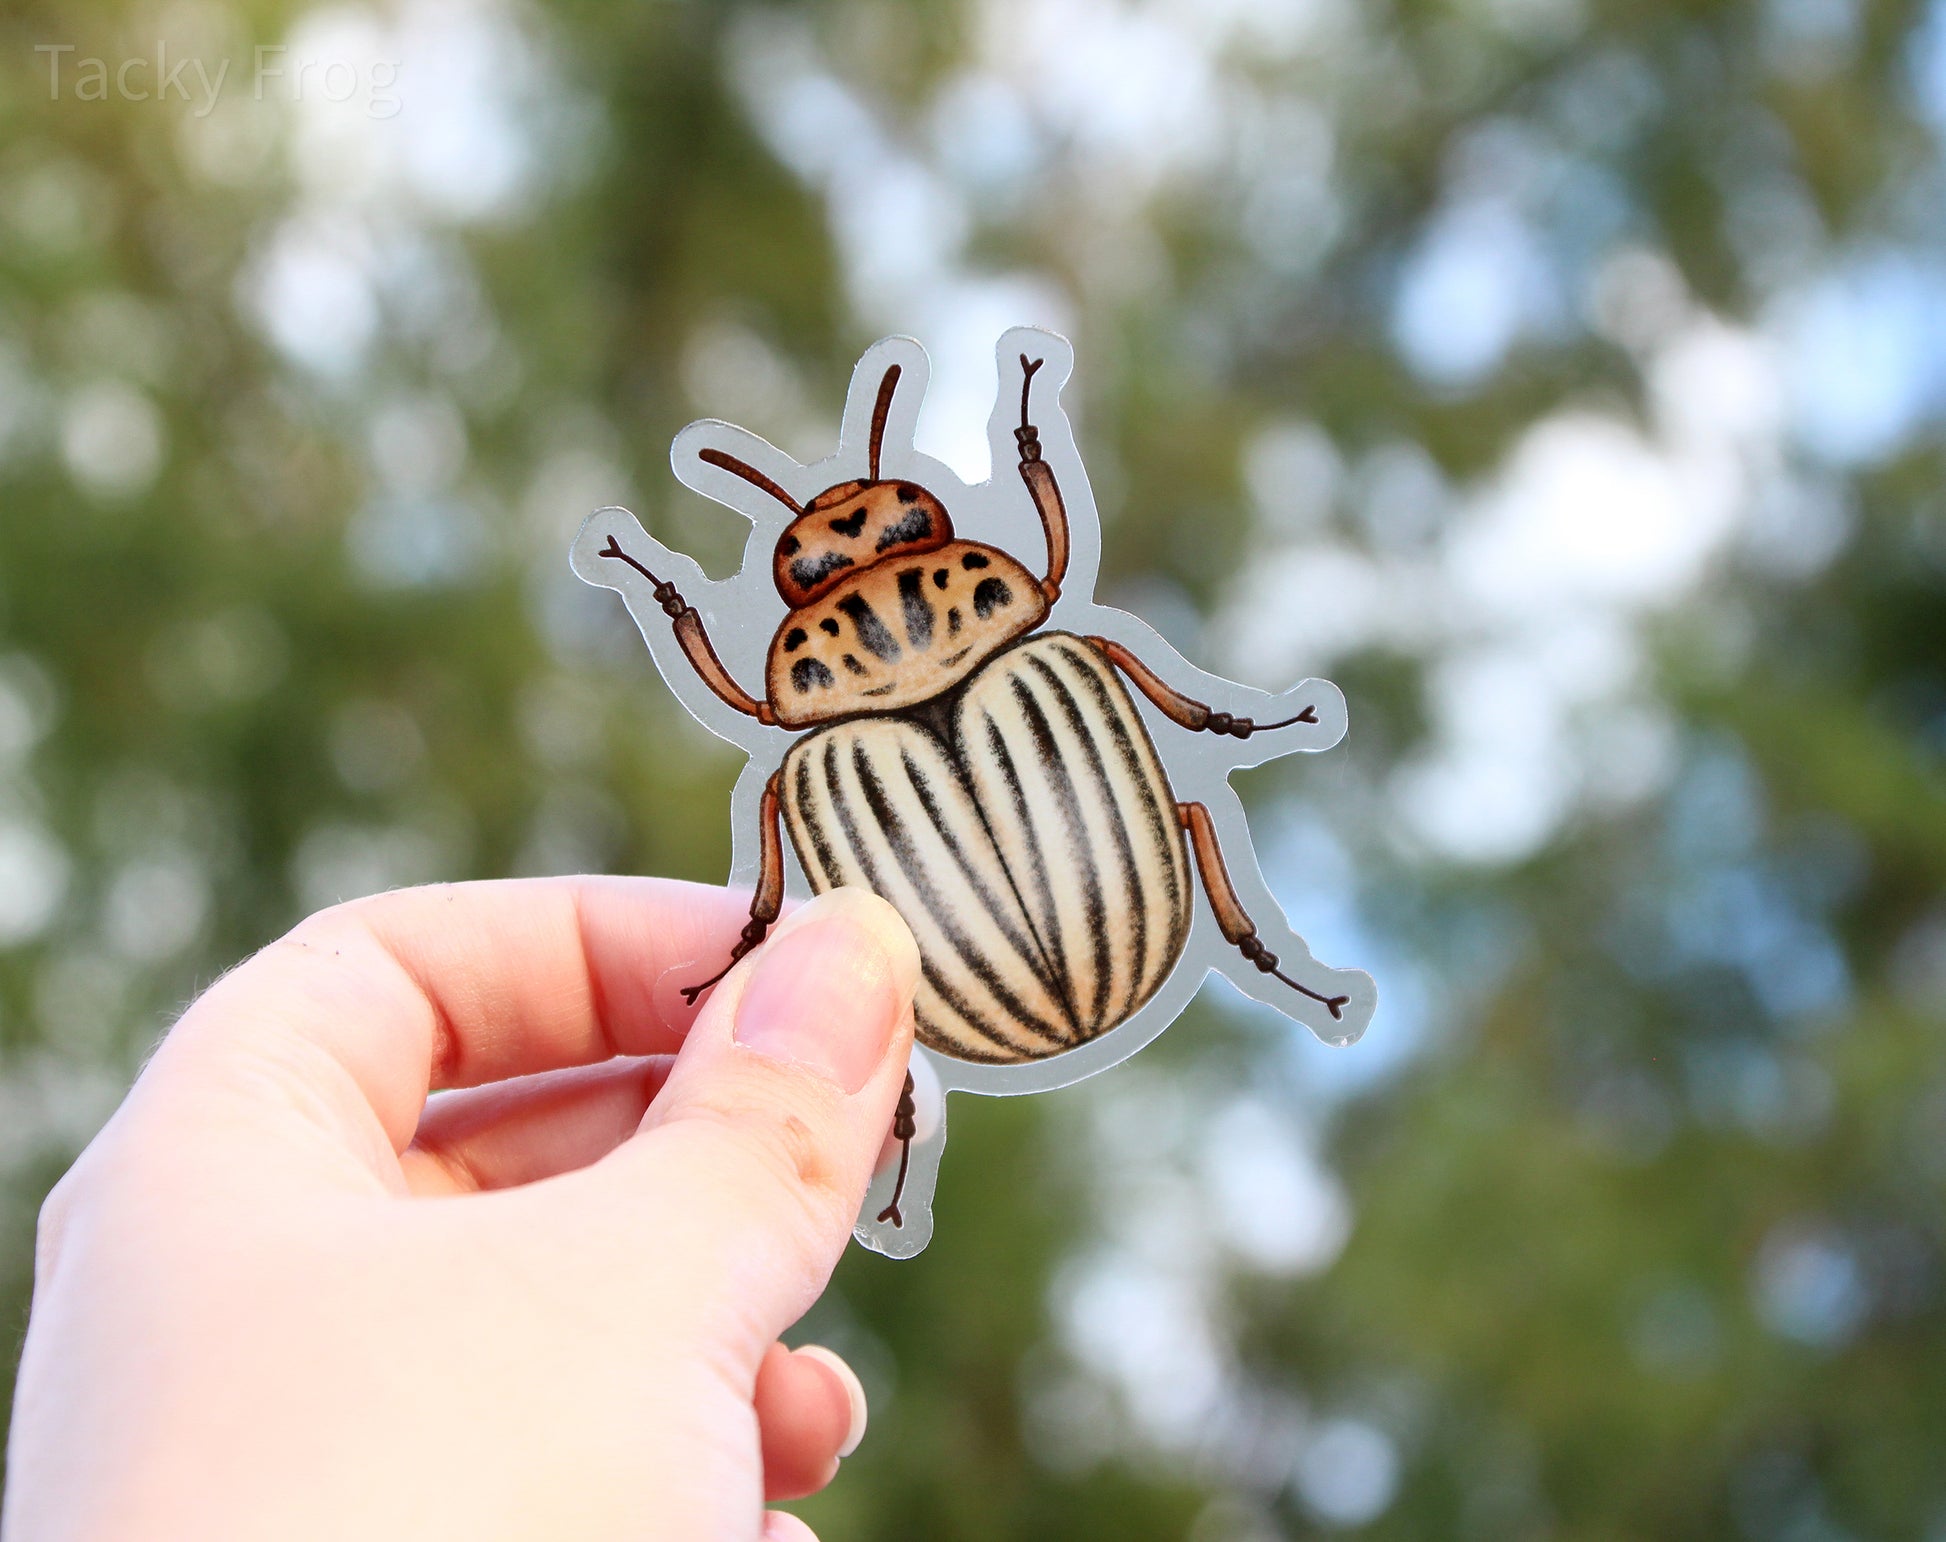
x,y
742,614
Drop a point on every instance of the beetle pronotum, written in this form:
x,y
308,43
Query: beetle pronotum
x,y
926,732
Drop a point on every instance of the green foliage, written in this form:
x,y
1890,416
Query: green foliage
x,y
1642,1156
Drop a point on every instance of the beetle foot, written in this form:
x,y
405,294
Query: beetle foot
x,y
905,1125
754,932
672,603
1253,949
1243,727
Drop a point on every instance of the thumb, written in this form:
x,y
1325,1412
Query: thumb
x,y
761,1145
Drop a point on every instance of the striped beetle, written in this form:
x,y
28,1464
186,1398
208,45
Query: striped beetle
x,y
943,725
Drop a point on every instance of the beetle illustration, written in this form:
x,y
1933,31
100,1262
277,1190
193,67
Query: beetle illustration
x,y
959,732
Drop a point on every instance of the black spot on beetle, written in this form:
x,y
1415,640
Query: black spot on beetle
x,y
973,559
808,572
850,661
806,673
952,622
917,608
916,526
990,595
851,524
908,493
872,632
828,626
788,546
794,639
941,578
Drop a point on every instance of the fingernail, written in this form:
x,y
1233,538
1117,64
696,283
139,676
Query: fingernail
x,y
854,1393
830,986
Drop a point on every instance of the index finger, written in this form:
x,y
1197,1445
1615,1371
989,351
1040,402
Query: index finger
x,y
454,985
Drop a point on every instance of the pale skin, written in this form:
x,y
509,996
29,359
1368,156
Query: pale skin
x,y
283,1294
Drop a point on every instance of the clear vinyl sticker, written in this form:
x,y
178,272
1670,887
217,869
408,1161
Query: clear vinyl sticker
x,y
935,708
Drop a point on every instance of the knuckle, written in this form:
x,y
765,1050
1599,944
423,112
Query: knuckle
x,y
318,937
363,918
322,925
89,1186
57,1209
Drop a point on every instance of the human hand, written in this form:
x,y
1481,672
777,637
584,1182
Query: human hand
x,y
283,1297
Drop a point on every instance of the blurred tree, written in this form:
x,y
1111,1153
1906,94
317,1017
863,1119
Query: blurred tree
x,y
1561,377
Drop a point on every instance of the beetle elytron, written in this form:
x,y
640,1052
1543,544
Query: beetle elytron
x,y
989,776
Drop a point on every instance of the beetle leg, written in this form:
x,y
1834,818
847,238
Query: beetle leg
x,y
769,898
1186,710
905,1125
1039,477
695,641
1230,914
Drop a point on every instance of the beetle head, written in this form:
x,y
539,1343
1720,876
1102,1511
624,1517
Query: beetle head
x,y
851,526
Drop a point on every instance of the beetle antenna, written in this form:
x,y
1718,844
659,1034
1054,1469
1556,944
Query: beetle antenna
x,y
1026,383
880,411
751,475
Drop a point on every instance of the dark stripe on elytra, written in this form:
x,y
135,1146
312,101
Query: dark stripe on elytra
x,y
1050,936
1026,945
917,608
1117,714
871,630
1149,786
1082,850
1154,796
1023,946
840,805
805,807
935,904
1083,729
946,1042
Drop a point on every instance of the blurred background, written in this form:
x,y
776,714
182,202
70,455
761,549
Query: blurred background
x,y
1563,377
